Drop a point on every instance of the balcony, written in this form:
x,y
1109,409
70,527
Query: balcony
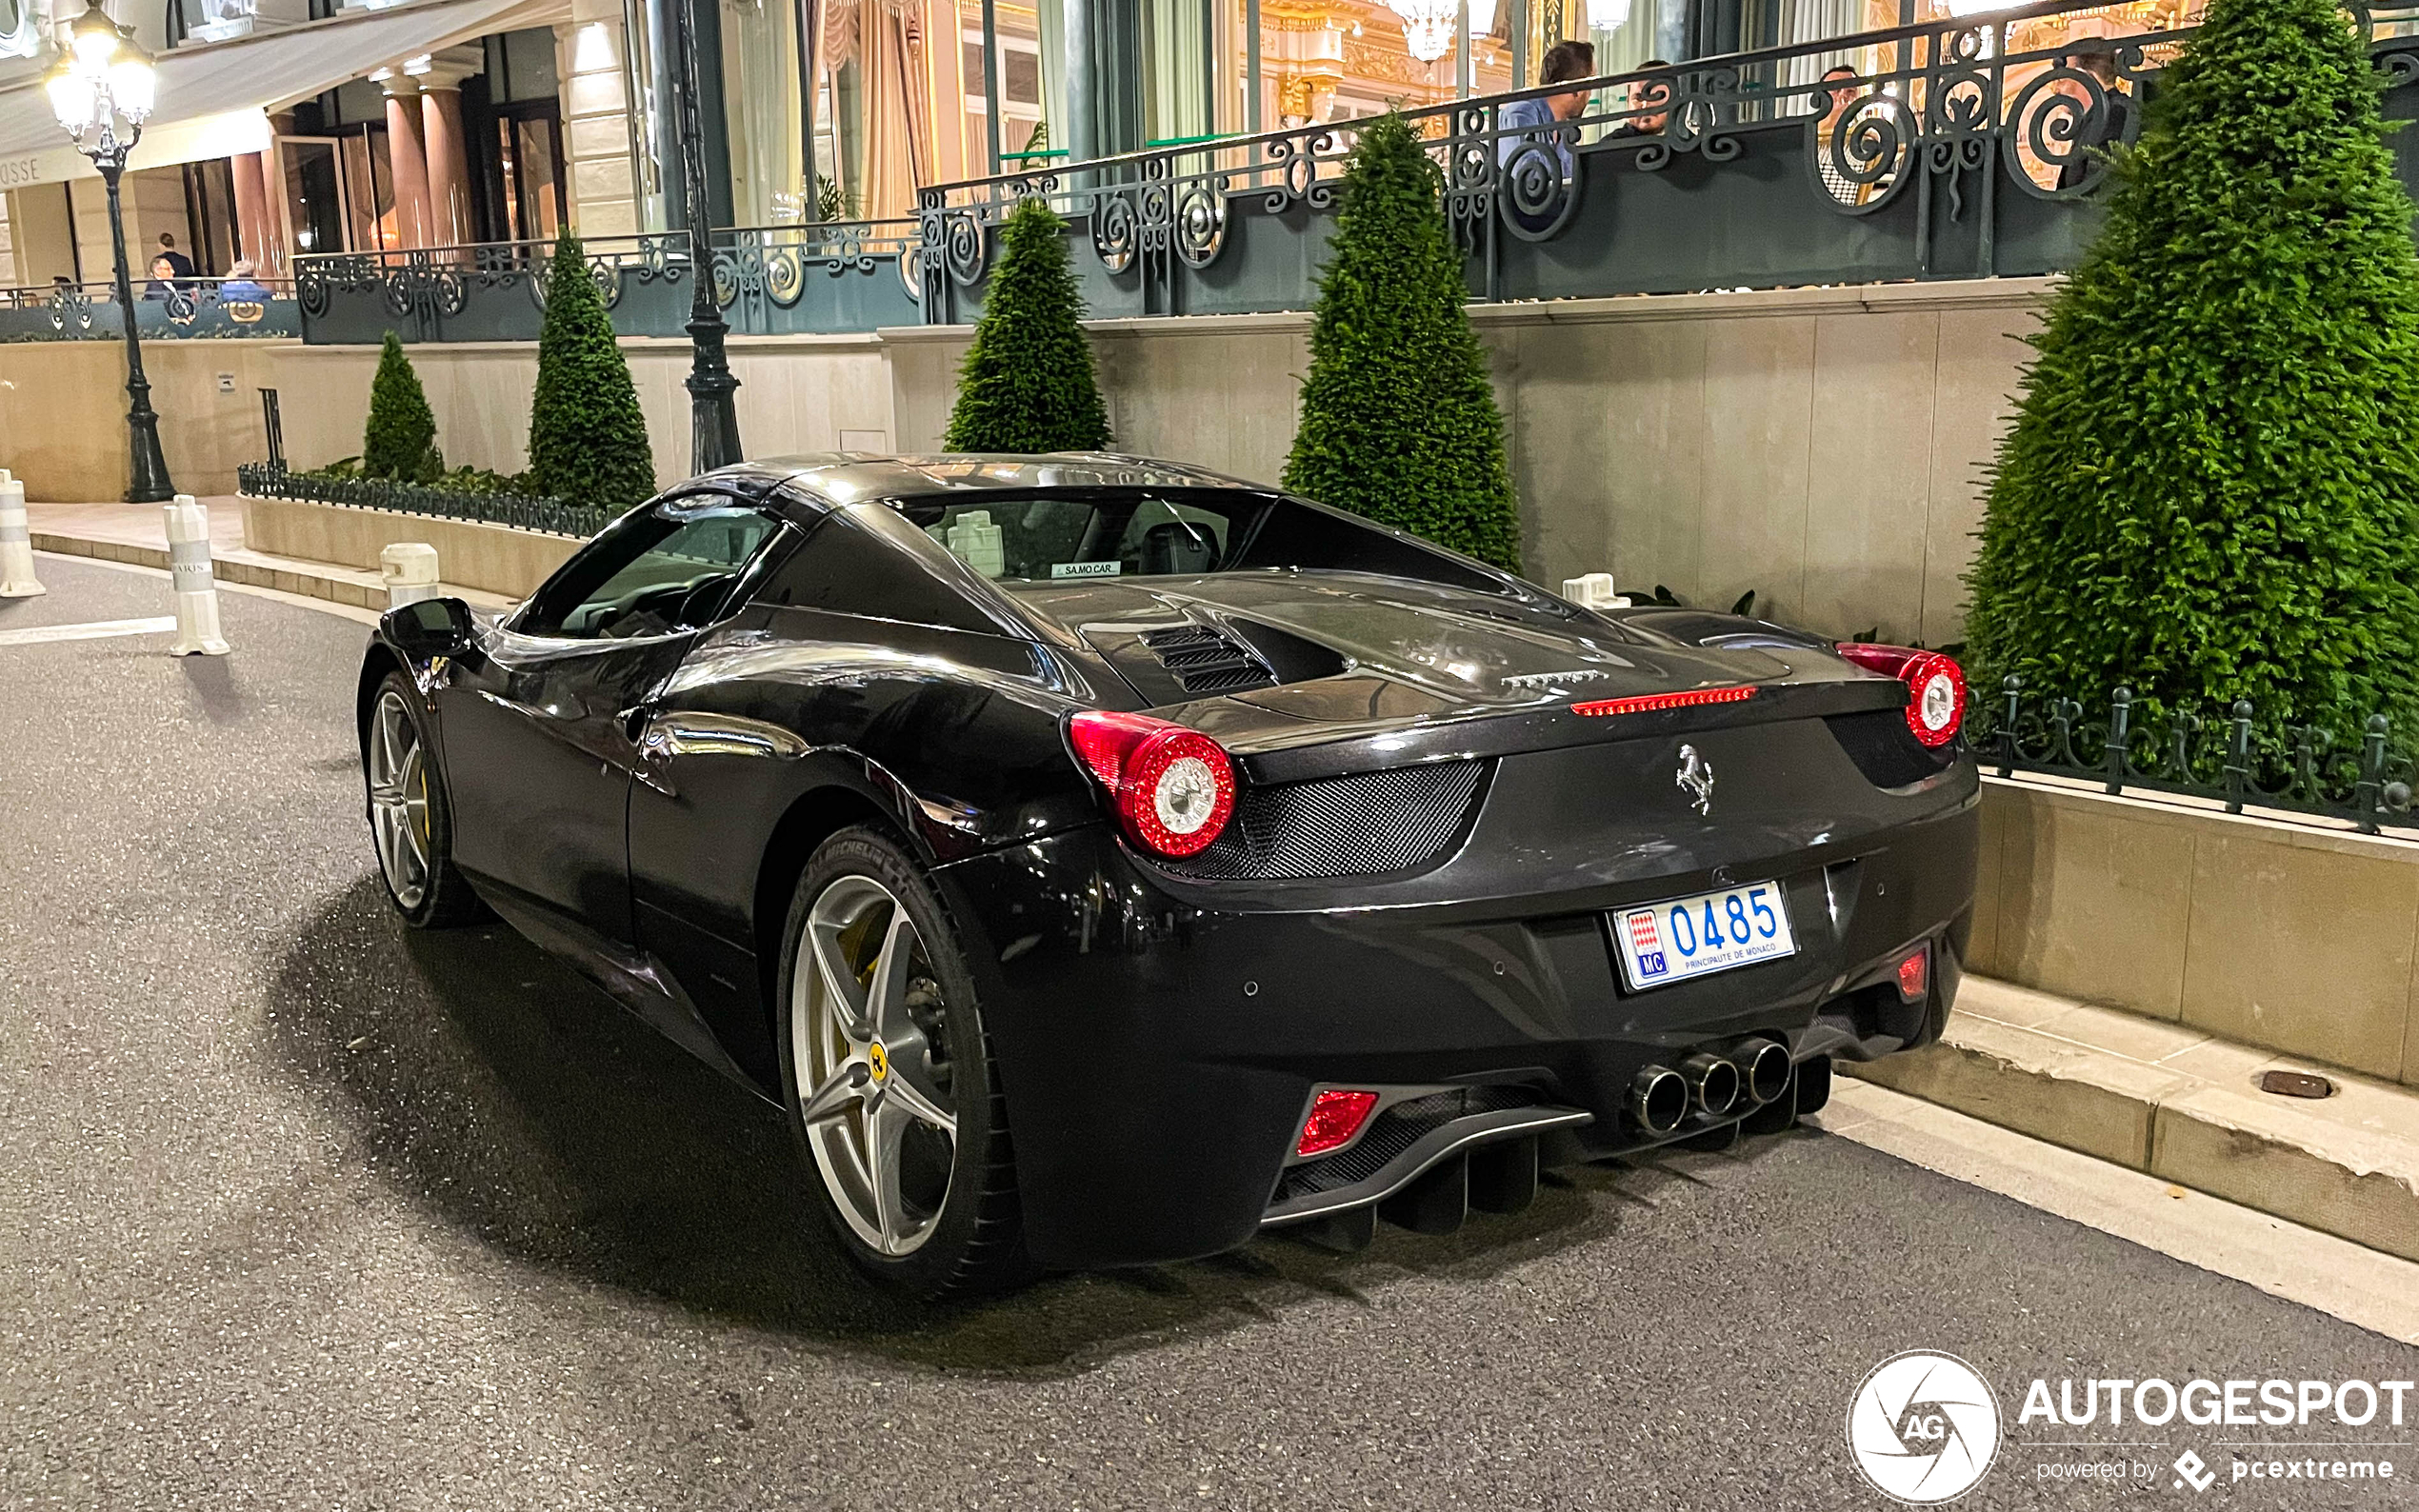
x,y
1953,149
1950,150
768,281
193,309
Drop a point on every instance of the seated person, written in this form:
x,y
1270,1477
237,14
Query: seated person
x,y
163,278
2116,114
1564,61
242,283
1647,93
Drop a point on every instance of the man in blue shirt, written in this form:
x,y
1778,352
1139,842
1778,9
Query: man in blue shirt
x,y
1564,61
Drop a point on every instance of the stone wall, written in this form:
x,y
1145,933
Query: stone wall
x,y
1820,446
63,412
2291,936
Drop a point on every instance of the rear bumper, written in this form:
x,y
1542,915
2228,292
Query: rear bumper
x,y
1158,1055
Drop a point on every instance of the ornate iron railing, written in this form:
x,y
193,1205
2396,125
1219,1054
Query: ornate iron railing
x,y
1955,148
2363,780
197,307
527,512
773,279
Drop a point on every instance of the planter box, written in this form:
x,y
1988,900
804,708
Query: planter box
x,y
495,557
2288,936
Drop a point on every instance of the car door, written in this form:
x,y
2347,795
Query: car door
x,y
538,728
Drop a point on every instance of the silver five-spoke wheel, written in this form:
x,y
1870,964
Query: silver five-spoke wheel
x,y
874,1078
399,799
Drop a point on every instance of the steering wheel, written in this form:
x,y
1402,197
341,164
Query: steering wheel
x,y
702,602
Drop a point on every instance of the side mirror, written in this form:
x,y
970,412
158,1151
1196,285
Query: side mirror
x,y
432,627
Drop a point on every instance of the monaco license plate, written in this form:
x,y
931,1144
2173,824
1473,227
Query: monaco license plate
x,y
1670,942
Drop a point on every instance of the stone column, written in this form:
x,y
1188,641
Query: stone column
x,y
406,156
250,171
610,180
441,75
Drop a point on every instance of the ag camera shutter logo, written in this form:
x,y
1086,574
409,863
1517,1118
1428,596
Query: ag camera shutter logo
x,y
1923,1427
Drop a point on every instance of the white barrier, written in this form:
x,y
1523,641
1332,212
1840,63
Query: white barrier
x,y
189,572
1593,591
17,543
409,568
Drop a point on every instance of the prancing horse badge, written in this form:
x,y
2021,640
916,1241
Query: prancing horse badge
x,y
1696,777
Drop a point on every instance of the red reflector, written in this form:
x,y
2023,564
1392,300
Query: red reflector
x,y
1915,974
1335,1117
1647,703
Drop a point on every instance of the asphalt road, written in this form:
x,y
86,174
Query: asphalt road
x,y
299,1211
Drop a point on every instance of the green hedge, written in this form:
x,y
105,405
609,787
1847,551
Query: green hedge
x,y
1027,385
2211,489
588,438
1399,422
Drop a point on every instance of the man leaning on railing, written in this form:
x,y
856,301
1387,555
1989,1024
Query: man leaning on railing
x,y
1563,62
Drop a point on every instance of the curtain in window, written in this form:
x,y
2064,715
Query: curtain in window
x,y
1176,95
761,106
884,102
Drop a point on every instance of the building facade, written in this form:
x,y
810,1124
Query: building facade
x,y
290,127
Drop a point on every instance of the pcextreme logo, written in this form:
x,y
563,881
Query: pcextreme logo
x,y
1923,1428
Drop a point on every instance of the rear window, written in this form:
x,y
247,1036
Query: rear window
x,y
1086,534
1063,538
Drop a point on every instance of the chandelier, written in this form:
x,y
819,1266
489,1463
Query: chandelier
x,y
1429,25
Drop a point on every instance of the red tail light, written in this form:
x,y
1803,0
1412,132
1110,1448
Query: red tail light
x,y
1173,788
1935,687
1651,703
1336,1115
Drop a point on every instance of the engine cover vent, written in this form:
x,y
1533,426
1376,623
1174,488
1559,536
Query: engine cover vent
x,y
1365,823
1204,662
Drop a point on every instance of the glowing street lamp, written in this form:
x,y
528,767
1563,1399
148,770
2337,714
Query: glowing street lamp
x,y
101,90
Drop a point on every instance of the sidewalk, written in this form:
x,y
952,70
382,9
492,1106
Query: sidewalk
x,y
138,534
2178,1105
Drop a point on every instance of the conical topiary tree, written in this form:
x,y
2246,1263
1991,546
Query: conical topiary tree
x,y
400,439
1398,420
2211,489
1027,384
588,439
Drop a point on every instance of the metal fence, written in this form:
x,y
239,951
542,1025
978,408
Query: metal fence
x,y
187,308
1955,148
2365,781
554,516
769,281
1952,149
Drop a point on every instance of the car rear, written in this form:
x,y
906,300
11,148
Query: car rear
x,y
1457,899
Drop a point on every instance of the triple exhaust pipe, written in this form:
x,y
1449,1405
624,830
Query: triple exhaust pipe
x,y
1753,1072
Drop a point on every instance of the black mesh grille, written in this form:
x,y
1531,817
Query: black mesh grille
x,y
1396,1128
1203,661
1885,751
1342,827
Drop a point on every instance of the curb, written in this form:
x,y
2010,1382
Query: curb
x,y
314,580
2348,1164
321,585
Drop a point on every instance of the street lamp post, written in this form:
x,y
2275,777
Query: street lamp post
x,y
104,79
713,435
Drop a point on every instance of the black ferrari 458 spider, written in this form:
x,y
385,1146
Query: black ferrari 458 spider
x,y
1104,861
